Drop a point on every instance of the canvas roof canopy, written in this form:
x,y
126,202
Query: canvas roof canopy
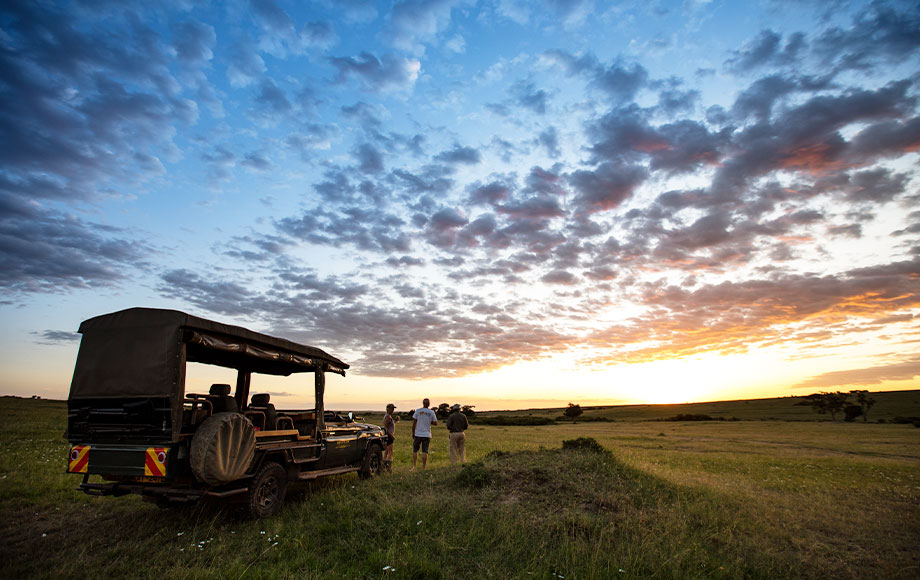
x,y
138,352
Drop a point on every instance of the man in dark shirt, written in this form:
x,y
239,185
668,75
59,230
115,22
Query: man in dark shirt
x,y
456,425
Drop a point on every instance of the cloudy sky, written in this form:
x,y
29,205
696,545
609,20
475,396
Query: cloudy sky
x,y
506,203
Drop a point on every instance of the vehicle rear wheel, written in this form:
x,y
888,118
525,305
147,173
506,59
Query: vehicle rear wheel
x,y
373,460
266,494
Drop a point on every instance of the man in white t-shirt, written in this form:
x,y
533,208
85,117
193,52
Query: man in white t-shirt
x,y
422,420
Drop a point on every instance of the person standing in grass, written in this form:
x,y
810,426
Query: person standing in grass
x,y
456,425
389,425
422,420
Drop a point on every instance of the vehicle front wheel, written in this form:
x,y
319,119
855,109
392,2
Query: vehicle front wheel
x,y
373,460
266,494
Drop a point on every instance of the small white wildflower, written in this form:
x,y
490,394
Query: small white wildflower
x,y
418,523
180,533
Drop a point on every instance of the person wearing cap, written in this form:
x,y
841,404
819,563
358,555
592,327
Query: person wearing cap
x,y
456,425
422,420
389,425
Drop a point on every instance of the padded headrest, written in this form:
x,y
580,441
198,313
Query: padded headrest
x,y
220,389
260,399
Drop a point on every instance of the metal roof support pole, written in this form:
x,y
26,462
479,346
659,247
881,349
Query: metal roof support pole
x,y
320,385
243,380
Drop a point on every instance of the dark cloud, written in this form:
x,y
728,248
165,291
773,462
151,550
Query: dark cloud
x,y
256,161
607,186
48,251
526,95
432,179
54,337
460,155
537,207
318,34
443,227
561,277
620,81
271,101
549,140
404,261
880,35
758,100
673,100
224,297
194,42
364,228
806,138
370,160
490,193
378,74
271,16
886,139
265,248
83,111
245,66
768,49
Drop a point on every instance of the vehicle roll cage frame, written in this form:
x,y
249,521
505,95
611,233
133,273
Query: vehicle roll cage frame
x,y
193,339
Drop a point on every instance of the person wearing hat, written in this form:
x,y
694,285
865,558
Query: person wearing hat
x,y
456,425
389,425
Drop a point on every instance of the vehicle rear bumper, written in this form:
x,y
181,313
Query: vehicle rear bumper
x,y
148,461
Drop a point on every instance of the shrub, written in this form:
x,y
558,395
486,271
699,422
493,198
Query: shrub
x,y
692,417
475,475
511,421
906,420
584,444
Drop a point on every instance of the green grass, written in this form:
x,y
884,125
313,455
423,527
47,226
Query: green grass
x,y
745,499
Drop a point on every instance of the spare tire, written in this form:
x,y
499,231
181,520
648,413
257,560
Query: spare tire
x,y
223,448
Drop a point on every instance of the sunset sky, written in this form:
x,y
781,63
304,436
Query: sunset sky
x,y
505,203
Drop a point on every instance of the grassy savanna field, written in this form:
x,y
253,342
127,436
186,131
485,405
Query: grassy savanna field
x,y
754,498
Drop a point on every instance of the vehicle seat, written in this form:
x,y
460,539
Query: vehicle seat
x,y
221,399
260,401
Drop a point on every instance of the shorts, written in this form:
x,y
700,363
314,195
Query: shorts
x,y
390,439
422,442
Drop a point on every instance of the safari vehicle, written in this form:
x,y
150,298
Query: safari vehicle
x,y
132,424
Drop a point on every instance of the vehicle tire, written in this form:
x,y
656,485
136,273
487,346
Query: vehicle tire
x,y
266,494
373,461
222,448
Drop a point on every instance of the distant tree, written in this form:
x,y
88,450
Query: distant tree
x,y
823,403
864,401
851,411
468,411
443,411
573,411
